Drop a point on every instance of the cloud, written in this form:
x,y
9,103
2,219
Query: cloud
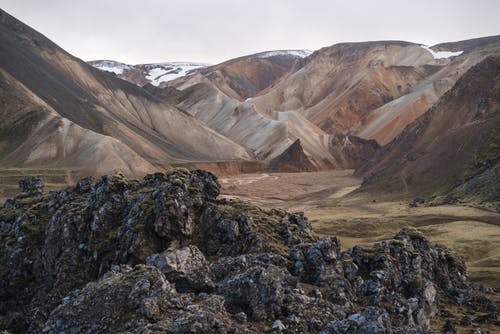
x,y
213,31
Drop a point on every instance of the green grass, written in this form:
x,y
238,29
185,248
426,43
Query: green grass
x,y
53,178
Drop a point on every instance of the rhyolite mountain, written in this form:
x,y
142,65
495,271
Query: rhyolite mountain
x,y
239,78
58,110
339,107
373,89
165,255
453,149
347,93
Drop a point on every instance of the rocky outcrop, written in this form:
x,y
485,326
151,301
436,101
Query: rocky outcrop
x,y
135,300
163,255
31,185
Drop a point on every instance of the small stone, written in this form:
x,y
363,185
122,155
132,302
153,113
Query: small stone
x,y
241,317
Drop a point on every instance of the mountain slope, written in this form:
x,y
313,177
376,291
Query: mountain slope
x,y
105,105
453,144
32,133
373,89
239,78
265,136
246,76
293,159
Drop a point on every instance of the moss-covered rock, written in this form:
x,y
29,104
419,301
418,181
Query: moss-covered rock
x,y
74,261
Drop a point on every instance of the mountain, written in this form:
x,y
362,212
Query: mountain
x,y
373,89
452,149
346,93
58,110
247,76
266,137
333,108
143,74
293,159
239,78
215,96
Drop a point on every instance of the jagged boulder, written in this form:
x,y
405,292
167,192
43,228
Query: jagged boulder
x,y
259,292
226,267
316,263
370,321
233,227
186,267
309,314
323,264
134,300
404,274
139,293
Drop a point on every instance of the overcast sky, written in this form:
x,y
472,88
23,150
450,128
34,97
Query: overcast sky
x,y
216,30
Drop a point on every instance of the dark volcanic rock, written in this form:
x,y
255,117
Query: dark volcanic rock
x,y
259,292
163,255
186,267
370,321
136,300
31,185
293,159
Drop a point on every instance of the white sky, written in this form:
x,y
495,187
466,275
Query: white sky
x,y
212,31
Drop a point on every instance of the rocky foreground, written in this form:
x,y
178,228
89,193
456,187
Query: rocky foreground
x,y
163,255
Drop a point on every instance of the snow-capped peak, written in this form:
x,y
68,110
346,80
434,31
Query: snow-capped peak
x,y
155,73
441,54
110,66
292,53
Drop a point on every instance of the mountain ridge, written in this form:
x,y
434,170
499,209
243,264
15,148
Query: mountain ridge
x,y
106,105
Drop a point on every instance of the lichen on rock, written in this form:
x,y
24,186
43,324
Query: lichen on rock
x,y
164,255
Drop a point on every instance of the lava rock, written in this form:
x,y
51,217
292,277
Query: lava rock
x,y
370,321
31,185
186,267
259,292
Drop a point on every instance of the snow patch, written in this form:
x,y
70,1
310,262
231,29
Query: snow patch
x,y
158,73
111,66
441,54
292,53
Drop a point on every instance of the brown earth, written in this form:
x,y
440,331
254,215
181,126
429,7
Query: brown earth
x,y
452,148
247,76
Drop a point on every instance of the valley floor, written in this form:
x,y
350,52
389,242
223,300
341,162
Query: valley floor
x,y
474,233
